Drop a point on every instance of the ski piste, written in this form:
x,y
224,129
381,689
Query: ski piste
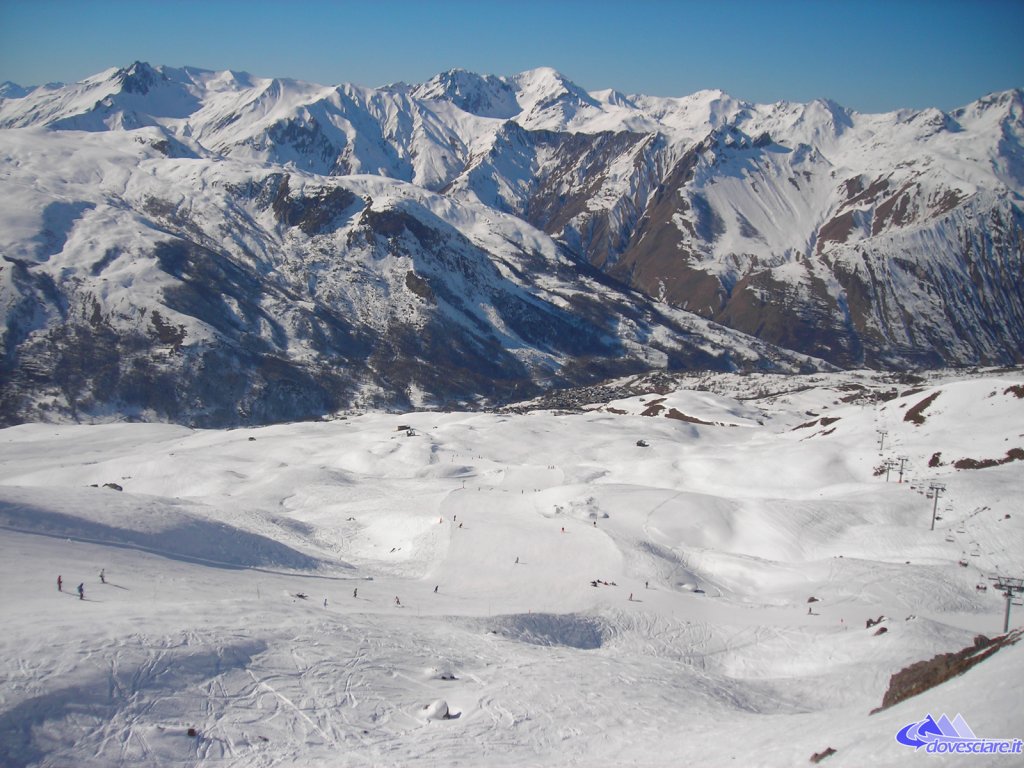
x,y
769,493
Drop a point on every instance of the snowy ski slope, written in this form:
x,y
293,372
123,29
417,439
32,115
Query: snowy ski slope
x,y
252,576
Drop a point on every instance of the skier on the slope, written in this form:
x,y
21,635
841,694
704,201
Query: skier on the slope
x,y
103,575
81,591
355,592
60,583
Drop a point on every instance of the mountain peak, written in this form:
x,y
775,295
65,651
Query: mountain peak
x,y
9,90
1005,107
832,112
545,79
483,95
1010,103
139,78
543,72
544,88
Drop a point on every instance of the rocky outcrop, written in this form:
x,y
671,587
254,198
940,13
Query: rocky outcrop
x,y
924,675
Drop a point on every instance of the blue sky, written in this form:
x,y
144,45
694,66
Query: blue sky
x,y
869,55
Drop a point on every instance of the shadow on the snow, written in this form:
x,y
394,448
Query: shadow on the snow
x,y
188,538
569,630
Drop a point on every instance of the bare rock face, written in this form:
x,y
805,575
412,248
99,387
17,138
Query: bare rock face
x,y
923,675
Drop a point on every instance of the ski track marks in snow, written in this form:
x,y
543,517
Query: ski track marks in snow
x,y
536,531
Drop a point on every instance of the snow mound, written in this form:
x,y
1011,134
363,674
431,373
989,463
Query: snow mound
x,y
438,710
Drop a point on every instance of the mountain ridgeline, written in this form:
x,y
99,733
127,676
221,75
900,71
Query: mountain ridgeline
x,y
215,248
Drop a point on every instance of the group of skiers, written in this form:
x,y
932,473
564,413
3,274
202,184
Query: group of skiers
x,y
81,586
355,592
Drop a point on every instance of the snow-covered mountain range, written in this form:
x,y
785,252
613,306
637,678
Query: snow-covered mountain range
x,y
217,248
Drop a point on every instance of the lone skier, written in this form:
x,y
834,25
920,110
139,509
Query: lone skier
x,y
355,592
103,575
60,583
81,591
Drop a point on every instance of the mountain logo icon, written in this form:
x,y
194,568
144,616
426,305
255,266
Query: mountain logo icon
x,y
945,736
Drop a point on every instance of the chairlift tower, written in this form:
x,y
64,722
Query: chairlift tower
x,y
934,491
1011,587
889,464
903,461
881,439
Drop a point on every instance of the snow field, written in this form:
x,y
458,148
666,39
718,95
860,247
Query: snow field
x,y
220,553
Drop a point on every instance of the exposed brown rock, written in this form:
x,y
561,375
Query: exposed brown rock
x,y
824,421
923,675
894,212
853,187
916,414
674,414
837,230
654,408
1014,454
949,200
817,757
869,195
